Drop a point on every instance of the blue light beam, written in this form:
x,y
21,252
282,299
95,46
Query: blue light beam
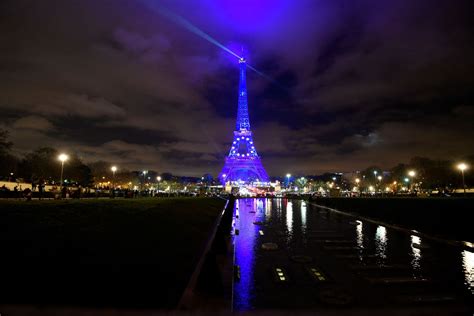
x,y
192,28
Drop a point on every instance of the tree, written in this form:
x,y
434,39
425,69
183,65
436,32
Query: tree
x,y
8,162
5,144
41,164
78,172
301,182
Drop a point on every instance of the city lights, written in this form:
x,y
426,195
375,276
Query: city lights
x,y
411,173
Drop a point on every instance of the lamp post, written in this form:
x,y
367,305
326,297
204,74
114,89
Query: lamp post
x,y
158,185
288,176
462,166
411,174
113,168
357,181
62,158
380,182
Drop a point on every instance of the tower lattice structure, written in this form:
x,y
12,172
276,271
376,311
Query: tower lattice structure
x,y
243,164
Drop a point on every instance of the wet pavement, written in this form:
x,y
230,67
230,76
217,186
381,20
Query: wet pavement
x,y
325,260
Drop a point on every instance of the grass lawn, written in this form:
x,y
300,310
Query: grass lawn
x,y
448,217
118,253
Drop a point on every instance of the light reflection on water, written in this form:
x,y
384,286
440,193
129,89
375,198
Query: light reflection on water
x,y
360,238
303,216
468,267
268,209
289,217
360,234
381,242
415,252
282,215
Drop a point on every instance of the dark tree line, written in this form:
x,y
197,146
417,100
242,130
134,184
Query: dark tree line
x,y
40,165
429,173
43,164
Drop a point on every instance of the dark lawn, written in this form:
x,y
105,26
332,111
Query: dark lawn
x,y
120,253
447,217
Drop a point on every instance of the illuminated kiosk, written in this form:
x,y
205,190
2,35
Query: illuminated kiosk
x,y
243,165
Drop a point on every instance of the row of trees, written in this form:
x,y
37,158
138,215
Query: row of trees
x,y
42,164
428,173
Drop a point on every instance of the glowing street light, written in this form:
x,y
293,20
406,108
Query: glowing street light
x,y
412,173
407,180
462,166
159,180
144,172
62,158
357,180
113,168
379,178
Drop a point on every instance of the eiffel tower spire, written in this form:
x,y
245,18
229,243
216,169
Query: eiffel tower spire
x,y
243,165
243,121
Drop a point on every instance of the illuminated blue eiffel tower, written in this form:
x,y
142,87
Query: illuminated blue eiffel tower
x,y
243,164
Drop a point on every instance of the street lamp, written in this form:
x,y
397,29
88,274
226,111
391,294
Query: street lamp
x,y
288,176
113,168
357,181
62,158
462,166
411,174
158,186
144,172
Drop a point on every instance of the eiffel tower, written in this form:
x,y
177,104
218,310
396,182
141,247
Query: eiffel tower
x,y
243,165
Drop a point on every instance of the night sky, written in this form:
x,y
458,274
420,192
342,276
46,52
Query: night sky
x,y
356,83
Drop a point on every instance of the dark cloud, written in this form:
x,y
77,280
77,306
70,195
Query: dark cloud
x,y
355,82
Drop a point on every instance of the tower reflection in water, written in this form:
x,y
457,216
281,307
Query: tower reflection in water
x,y
244,253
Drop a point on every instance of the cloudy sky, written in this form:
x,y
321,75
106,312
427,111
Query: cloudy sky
x,y
356,83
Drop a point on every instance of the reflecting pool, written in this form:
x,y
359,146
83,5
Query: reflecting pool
x,y
355,263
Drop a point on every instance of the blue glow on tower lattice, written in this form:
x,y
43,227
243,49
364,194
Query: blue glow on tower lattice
x,y
243,164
